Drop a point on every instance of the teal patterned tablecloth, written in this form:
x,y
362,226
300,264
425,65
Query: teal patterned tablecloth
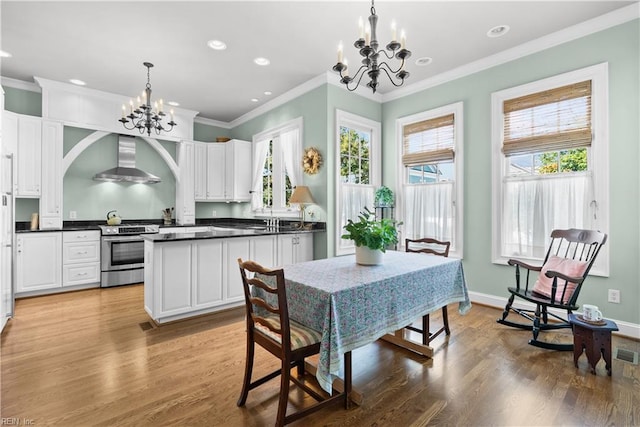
x,y
354,305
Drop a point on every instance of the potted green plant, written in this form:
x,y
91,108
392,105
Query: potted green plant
x,y
371,236
383,197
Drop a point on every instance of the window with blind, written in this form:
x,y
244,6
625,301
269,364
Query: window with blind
x,y
431,164
550,170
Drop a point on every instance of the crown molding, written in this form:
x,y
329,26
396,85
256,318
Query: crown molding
x,y
212,122
281,100
20,84
333,79
600,23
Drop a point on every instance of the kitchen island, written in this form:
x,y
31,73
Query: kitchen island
x,y
188,274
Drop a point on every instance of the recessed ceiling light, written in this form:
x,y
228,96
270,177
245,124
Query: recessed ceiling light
x,y
498,31
4,54
173,103
217,45
425,60
262,61
77,82
254,99
266,92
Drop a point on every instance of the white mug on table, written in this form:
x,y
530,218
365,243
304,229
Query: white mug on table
x,y
591,313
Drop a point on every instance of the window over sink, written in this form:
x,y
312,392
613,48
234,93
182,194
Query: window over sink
x,y
276,168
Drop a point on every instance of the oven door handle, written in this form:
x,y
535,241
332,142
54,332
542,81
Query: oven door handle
x,y
122,238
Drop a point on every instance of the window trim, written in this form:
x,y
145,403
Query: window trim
x,y
375,167
271,134
457,109
598,152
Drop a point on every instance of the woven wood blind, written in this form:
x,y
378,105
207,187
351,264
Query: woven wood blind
x,y
555,119
428,141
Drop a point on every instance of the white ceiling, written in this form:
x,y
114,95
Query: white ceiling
x,y
105,43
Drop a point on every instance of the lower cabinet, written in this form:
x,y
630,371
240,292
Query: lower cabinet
x,y
295,248
38,261
185,278
80,257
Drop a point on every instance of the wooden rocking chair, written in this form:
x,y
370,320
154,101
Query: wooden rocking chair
x,y
569,259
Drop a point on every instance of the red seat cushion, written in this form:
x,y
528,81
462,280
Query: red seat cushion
x,y
569,267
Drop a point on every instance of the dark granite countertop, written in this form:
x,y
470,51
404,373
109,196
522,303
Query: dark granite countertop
x,y
225,232
252,226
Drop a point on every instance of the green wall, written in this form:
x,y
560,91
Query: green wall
x,y
619,46
22,101
208,133
93,199
317,108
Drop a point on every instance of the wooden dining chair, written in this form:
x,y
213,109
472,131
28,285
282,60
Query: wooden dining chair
x,y
434,247
269,325
567,263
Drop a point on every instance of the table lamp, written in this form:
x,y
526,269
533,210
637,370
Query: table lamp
x,y
302,196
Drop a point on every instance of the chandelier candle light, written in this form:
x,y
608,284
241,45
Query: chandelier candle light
x,y
367,43
145,117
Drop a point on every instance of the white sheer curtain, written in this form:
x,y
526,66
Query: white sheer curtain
x,y
292,154
532,208
260,150
353,199
428,211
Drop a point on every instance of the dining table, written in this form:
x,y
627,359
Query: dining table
x,y
353,305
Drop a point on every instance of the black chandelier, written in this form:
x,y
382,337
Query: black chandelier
x,y
367,43
145,117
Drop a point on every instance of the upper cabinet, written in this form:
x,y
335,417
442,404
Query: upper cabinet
x,y
223,171
24,137
52,178
185,203
237,184
32,139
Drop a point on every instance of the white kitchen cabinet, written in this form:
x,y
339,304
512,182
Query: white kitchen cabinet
x,y
238,171
216,164
235,248
263,250
295,248
185,201
200,171
29,156
223,171
52,177
38,261
209,273
80,257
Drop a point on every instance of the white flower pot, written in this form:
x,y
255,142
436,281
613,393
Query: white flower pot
x,y
366,256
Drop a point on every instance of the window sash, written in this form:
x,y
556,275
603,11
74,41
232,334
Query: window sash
x,y
551,120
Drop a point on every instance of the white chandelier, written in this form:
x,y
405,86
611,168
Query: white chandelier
x,y
144,117
367,44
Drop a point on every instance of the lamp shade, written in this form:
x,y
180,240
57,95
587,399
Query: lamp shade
x,y
301,195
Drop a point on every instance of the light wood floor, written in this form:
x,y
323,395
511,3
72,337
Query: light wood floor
x,y
87,358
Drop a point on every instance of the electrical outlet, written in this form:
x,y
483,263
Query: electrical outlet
x,y
614,296
214,213
73,215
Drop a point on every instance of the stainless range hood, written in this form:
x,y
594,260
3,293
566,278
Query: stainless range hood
x,y
126,170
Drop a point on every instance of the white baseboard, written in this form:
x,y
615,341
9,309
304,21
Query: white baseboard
x,y
627,329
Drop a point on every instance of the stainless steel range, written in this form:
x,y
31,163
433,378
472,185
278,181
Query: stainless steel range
x,y
122,255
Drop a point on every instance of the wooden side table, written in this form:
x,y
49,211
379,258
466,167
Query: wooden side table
x,y
594,339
